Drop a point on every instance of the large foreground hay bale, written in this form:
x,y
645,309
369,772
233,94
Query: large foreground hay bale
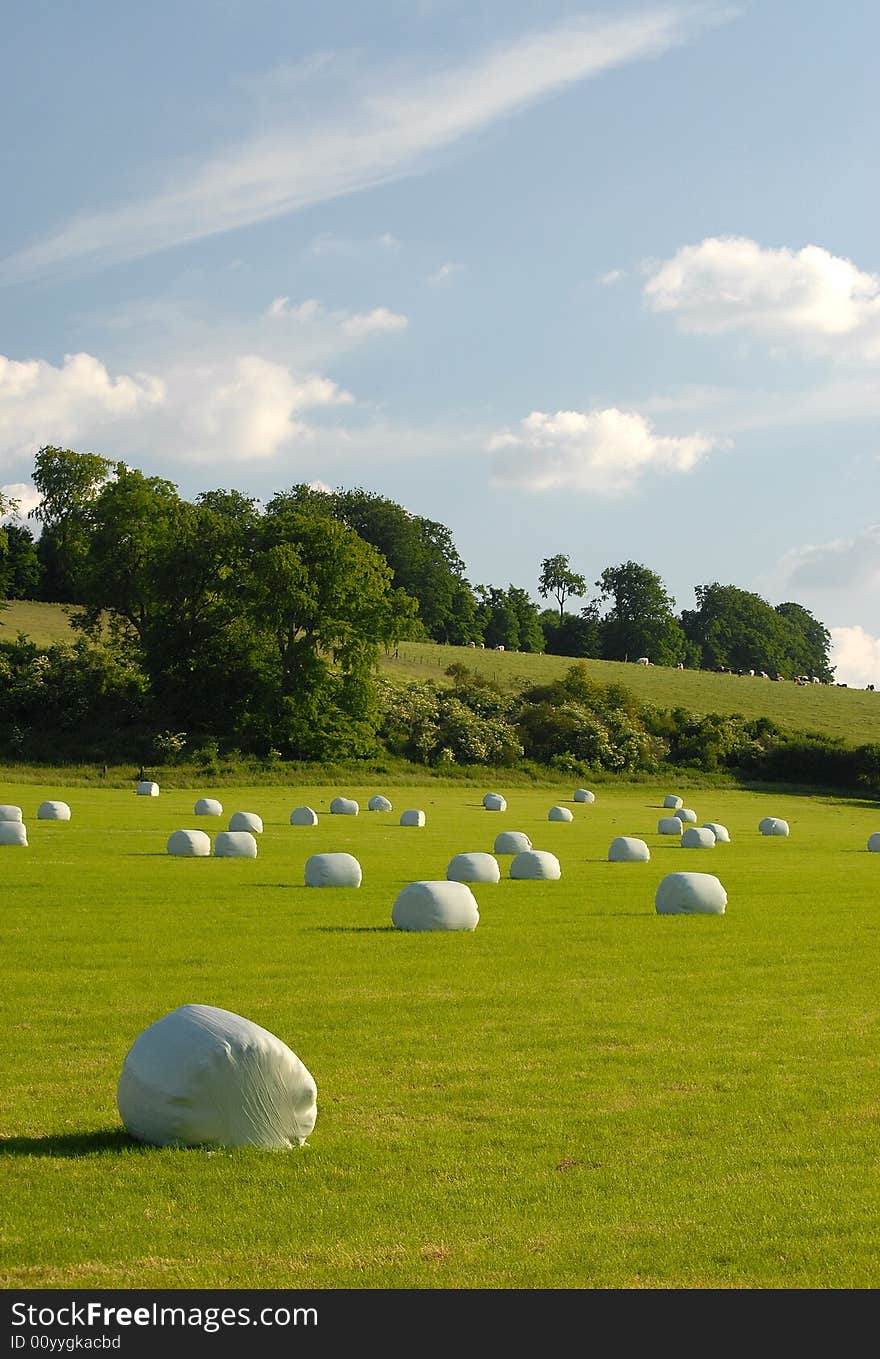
x,y
378,803
698,837
209,806
473,868
333,870
686,815
202,1075
147,789
13,833
435,906
53,811
246,821
511,842
10,813
721,833
412,817
303,816
690,894
494,802
773,825
235,845
560,814
344,806
535,865
669,825
189,844
673,800
626,849
874,843
584,795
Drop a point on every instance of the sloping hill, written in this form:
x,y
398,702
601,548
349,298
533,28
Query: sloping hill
x,y
44,623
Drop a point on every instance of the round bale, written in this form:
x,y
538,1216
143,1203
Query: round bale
x,y
672,800
344,806
698,837
53,811
412,817
333,870
511,842
208,806
147,789
206,1076
378,803
584,795
435,906
10,813
686,815
235,845
560,814
669,825
721,833
626,849
773,825
494,802
690,894
473,868
535,864
874,843
13,833
189,844
246,821
303,816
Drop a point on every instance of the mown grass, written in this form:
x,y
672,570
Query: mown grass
x,y
851,714
580,1093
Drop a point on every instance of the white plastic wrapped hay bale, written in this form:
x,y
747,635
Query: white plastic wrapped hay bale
x,y
13,833
627,849
206,1076
303,816
536,865
209,806
235,845
874,843
333,870
189,844
721,833
147,789
10,813
412,817
669,825
698,837
473,868
53,811
246,821
773,825
494,802
435,906
344,806
511,842
560,814
584,795
690,894
673,800
378,803
686,815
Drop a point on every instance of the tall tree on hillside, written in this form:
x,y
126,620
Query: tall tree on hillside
x,y
68,483
558,579
23,572
7,506
739,630
638,620
811,642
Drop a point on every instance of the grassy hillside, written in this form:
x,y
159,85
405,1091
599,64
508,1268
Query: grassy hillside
x,y
45,623
852,714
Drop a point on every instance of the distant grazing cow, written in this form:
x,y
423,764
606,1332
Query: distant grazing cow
x,y
643,660
869,688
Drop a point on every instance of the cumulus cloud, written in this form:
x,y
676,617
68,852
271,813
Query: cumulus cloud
x,y
837,565
608,451
809,297
25,495
371,134
353,325
855,654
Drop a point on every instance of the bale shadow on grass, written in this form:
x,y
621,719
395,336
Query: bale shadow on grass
x,y
349,929
71,1144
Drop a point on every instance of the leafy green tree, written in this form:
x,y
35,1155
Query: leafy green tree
x,y
22,565
575,634
559,580
810,643
738,630
68,483
638,620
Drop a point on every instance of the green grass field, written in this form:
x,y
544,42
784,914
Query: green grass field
x,y
579,1093
44,623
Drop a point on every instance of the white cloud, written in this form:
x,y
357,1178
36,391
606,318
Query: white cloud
x,y
818,301
446,271
611,277
354,325
607,451
378,321
837,565
372,135
321,486
855,654
26,496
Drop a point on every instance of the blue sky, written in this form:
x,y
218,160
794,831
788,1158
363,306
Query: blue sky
x,y
601,280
